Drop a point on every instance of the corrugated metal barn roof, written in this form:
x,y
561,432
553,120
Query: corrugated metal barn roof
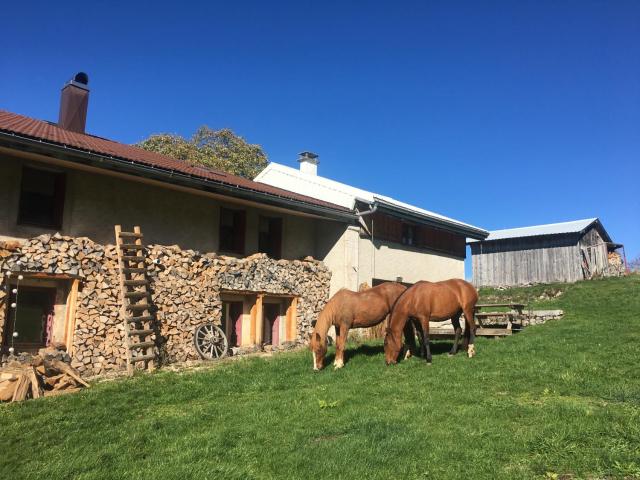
x,y
575,226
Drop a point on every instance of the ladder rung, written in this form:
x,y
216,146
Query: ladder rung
x,y
133,270
141,358
140,332
130,234
136,294
142,318
138,307
142,344
135,283
132,258
131,246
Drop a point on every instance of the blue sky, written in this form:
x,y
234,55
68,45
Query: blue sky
x,y
500,114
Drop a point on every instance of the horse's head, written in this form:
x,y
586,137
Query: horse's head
x,y
392,347
318,347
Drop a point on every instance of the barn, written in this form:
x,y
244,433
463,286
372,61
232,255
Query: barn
x,y
557,252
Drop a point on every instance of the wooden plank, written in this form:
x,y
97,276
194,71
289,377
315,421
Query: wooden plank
x,y
491,332
139,319
132,258
70,317
131,246
129,234
136,294
134,270
142,358
140,332
137,308
142,344
292,320
135,283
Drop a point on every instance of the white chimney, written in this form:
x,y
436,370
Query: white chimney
x,y
308,163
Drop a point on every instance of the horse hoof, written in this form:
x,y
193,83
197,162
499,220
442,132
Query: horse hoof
x,y
407,355
471,351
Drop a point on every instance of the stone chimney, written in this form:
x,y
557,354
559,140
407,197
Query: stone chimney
x,y
308,163
74,101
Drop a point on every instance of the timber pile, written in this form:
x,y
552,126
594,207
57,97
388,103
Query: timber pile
x,y
46,374
185,286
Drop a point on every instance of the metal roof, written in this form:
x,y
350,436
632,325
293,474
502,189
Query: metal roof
x,y
345,195
575,226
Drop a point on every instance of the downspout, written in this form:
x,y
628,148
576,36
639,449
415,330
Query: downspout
x,y
371,211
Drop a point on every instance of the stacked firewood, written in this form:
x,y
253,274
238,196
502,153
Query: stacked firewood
x,y
185,285
33,376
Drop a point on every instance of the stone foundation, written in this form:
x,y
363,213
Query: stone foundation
x,y
186,288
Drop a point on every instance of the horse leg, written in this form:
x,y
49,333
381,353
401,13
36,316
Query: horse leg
x,y
418,327
426,348
341,340
409,339
470,331
455,321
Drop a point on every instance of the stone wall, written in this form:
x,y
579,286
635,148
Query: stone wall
x,y
185,286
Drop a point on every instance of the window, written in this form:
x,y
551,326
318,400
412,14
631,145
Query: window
x,y
232,226
409,236
32,319
270,236
41,198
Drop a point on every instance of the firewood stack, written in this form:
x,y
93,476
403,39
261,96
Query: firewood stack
x,y
43,375
186,288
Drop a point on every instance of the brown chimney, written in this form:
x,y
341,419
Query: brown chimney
x,y
74,101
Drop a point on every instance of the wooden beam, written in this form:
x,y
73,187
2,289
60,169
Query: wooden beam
x,y
291,319
70,317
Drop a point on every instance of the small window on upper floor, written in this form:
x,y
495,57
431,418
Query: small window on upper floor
x,y
41,198
409,236
232,227
270,236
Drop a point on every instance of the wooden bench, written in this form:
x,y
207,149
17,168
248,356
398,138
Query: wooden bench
x,y
512,317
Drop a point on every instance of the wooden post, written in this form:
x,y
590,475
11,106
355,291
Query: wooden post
x,y
292,316
70,317
257,320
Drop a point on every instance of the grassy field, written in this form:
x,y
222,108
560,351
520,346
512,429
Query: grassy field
x,y
560,400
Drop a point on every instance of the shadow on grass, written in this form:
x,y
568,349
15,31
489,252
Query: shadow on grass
x,y
368,350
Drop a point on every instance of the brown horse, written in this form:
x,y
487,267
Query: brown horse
x,y
347,309
432,301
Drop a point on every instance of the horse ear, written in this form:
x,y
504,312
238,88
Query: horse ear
x,y
318,339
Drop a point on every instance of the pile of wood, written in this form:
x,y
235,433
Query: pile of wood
x,y
35,376
185,285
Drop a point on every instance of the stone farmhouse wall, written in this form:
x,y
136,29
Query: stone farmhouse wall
x,y
186,288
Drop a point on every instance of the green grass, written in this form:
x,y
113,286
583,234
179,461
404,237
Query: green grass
x,y
560,399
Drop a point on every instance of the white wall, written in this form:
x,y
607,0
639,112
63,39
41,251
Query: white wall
x,y
387,261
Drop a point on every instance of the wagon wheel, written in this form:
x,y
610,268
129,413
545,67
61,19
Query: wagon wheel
x,y
210,341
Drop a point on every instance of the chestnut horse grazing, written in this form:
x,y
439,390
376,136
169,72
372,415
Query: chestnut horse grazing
x,y
347,309
433,301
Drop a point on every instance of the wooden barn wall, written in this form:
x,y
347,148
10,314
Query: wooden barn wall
x,y
520,261
594,247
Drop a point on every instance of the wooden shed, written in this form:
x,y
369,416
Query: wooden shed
x,y
558,252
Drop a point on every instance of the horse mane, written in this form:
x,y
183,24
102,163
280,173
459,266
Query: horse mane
x,y
326,316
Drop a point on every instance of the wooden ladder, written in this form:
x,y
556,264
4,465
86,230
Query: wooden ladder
x,y
135,299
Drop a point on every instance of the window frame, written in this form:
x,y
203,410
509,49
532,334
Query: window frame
x,y
58,199
237,245
274,250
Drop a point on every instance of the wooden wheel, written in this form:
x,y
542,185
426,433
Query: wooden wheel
x,y
210,341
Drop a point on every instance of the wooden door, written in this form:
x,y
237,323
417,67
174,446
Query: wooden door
x,y
232,321
271,324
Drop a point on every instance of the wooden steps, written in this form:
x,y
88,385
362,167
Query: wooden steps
x,y
137,315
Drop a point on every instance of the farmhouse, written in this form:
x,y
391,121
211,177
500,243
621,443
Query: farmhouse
x,y
256,258
217,247
558,252
391,241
